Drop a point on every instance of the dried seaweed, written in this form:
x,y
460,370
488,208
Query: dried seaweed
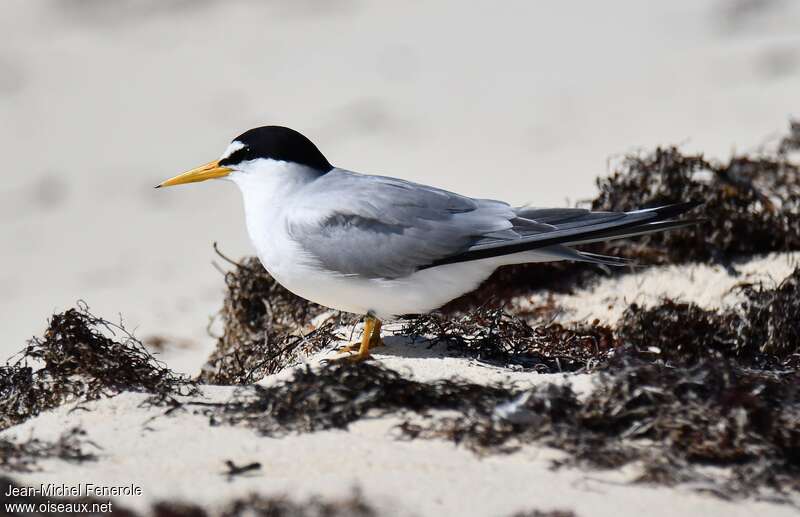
x,y
262,327
712,413
678,332
248,362
340,393
762,332
772,317
260,506
790,142
255,302
81,357
25,393
751,204
517,417
495,336
24,456
671,421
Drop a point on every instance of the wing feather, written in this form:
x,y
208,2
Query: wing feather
x,y
379,227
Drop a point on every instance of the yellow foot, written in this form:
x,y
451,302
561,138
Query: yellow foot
x,y
369,339
374,342
352,347
357,358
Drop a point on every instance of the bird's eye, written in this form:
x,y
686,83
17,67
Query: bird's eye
x,y
238,156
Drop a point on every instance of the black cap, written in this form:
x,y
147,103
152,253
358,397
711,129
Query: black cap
x,y
277,143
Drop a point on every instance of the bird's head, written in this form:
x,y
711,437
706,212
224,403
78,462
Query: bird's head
x,y
257,152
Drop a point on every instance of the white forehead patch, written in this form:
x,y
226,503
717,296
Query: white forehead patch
x,y
232,148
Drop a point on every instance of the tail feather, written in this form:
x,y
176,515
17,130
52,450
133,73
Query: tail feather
x,y
641,230
607,260
567,253
573,226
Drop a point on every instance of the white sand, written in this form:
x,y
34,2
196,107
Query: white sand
x,y
518,101
709,286
182,457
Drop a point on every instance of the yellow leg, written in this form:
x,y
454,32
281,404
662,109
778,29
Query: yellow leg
x,y
370,337
375,339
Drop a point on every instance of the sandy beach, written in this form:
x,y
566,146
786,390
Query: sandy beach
x,y
524,102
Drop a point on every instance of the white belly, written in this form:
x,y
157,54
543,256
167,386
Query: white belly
x,y
418,293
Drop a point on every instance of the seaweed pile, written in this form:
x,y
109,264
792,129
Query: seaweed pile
x,y
495,336
790,142
762,332
23,456
681,333
341,393
81,357
751,205
260,506
713,413
670,420
261,320
772,319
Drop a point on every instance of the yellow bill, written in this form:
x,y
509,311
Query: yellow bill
x,y
208,171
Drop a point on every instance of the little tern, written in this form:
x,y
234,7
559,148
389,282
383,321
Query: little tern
x,y
385,247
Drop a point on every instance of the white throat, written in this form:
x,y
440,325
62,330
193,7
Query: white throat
x,y
264,180
268,187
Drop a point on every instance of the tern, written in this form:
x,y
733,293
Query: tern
x,y
384,247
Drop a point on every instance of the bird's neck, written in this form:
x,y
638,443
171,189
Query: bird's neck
x,y
274,183
267,193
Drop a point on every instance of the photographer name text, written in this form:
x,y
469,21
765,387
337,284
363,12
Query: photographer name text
x,y
79,490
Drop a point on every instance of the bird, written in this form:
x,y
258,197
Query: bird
x,y
384,247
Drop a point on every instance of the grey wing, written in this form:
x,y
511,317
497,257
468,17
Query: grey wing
x,y
379,227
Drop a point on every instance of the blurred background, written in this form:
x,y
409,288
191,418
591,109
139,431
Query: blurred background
x,y
519,100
